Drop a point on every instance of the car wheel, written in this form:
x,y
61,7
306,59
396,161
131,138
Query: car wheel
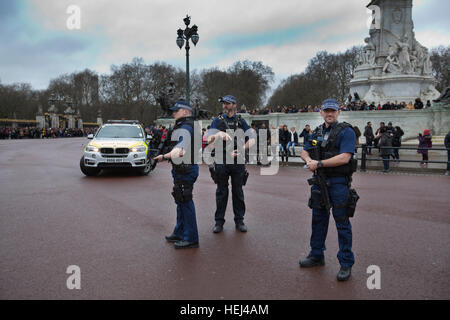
x,y
88,171
145,170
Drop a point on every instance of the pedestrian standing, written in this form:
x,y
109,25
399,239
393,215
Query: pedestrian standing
x,y
285,137
424,144
292,142
368,133
385,145
397,142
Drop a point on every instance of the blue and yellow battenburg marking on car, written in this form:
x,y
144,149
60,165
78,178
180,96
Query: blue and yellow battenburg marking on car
x,y
117,144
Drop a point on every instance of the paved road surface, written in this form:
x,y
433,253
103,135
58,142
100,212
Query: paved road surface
x,y
113,228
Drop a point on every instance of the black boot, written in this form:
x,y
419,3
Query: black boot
x,y
344,274
185,244
173,238
241,227
312,262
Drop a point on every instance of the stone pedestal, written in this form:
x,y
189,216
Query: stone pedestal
x,y
390,88
100,121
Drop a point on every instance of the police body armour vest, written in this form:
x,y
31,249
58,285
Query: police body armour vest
x,y
232,123
327,149
178,124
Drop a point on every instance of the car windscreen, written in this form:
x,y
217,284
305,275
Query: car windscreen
x,y
130,132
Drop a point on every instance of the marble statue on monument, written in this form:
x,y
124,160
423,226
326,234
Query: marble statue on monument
x,y
393,65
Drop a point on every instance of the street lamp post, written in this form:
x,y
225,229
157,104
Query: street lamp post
x,y
186,34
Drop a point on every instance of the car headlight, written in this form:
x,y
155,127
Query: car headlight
x,y
138,149
91,149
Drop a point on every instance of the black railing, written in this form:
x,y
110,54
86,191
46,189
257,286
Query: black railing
x,y
364,159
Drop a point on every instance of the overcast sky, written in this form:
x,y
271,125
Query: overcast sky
x,y
36,44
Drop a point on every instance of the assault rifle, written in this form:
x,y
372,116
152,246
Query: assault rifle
x,y
320,180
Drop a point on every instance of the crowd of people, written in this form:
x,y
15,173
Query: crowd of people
x,y
350,105
158,134
389,139
361,105
38,133
386,138
289,139
280,109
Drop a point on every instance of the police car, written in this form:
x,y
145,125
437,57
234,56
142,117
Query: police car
x,y
117,144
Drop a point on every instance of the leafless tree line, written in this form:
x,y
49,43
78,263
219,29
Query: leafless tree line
x,y
131,89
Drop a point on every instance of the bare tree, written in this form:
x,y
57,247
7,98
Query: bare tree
x,y
327,75
440,58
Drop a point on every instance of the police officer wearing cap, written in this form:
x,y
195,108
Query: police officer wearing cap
x,y
229,120
184,173
336,144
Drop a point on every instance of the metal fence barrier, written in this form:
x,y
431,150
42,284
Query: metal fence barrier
x,y
364,159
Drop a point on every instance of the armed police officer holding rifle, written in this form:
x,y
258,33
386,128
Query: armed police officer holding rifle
x,y
329,155
231,163
184,173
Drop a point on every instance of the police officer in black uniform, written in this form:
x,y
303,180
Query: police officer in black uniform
x,y
333,154
233,168
184,173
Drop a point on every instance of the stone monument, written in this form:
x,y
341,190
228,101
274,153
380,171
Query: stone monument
x,y
393,65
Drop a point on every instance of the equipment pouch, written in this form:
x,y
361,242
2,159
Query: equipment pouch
x,y
351,204
182,193
177,193
187,192
314,201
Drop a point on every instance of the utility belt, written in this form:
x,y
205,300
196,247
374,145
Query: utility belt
x,y
217,179
182,168
350,204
